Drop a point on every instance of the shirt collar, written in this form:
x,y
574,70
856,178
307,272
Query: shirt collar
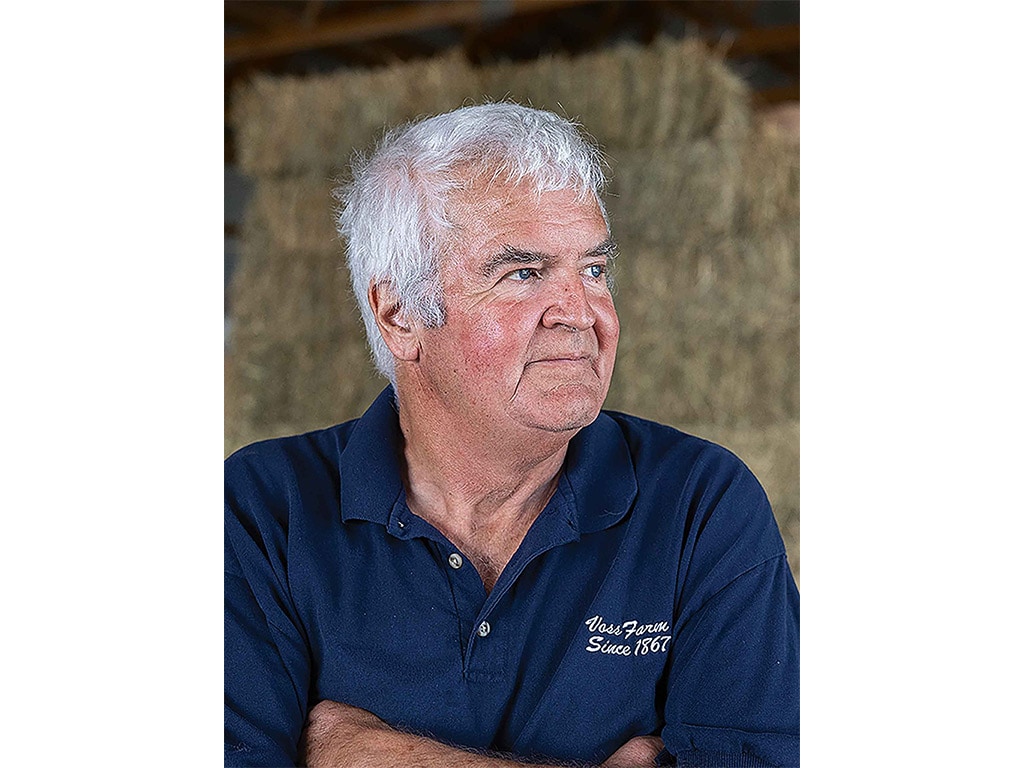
x,y
598,471
371,470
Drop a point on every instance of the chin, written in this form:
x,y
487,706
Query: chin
x,y
564,409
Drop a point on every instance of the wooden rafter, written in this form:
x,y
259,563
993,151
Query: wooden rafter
x,y
371,24
480,38
764,40
311,13
734,14
262,16
738,15
263,35
777,95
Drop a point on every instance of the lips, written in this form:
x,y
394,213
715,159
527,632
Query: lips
x,y
563,359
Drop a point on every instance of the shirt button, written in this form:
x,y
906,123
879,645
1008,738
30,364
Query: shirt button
x,y
484,629
455,560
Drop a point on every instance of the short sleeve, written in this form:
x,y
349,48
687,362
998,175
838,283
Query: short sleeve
x,y
266,658
733,689
733,677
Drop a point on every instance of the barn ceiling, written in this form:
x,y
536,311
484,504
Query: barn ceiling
x,y
760,38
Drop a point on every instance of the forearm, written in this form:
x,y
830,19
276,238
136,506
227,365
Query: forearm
x,y
395,749
345,736
338,735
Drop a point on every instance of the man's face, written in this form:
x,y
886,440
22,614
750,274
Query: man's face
x,y
530,331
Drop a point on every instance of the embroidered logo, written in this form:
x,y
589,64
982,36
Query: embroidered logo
x,y
630,638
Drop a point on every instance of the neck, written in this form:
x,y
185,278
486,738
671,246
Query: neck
x,y
471,483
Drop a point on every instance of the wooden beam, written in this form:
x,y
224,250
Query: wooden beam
x,y
777,95
381,53
763,40
404,47
606,23
787,62
738,15
732,13
372,24
480,38
311,13
262,15
650,22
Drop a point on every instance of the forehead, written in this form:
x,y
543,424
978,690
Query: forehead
x,y
488,217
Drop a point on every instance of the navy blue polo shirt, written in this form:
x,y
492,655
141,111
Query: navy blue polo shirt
x,y
651,596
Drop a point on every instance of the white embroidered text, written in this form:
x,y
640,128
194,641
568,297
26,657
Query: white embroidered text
x,y
643,638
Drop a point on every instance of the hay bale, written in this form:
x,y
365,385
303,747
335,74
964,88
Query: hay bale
x,y
294,213
600,110
237,427
704,203
671,92
663,194
770,186
667,193
683,373
301,125
710,333
724,276
668,93
292,387
274,120
535,83
304,295
678,92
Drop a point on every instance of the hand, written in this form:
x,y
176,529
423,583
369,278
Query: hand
x,y
638,752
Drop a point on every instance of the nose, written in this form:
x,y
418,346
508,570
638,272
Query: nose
x,y
569,306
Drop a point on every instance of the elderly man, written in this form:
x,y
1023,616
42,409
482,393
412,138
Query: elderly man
x,y
486,569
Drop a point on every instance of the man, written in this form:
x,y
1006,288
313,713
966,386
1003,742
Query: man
x,y
486,569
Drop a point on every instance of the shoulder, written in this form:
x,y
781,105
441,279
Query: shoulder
x,y
701,496
270,484
270,466
664,454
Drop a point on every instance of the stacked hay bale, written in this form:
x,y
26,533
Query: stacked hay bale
x,y
704,202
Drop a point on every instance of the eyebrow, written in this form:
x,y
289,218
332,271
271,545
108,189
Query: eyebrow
x,y
609,249
511,255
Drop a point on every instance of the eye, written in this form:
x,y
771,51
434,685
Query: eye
x,y
596,271
524,274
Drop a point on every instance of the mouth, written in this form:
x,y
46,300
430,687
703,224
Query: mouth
x,y
569,357
571,366
560,361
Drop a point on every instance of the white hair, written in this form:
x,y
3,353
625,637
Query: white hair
x,y
394,214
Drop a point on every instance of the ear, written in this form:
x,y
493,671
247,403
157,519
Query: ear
x,y
398,332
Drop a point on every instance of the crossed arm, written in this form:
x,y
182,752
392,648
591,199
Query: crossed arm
x,y
341,735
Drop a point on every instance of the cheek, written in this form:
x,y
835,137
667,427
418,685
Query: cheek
x,y
489,345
